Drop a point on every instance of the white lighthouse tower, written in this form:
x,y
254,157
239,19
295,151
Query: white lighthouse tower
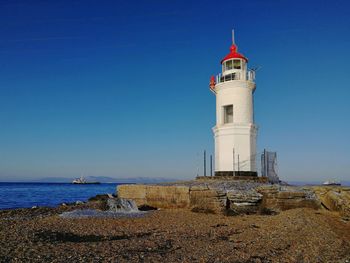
x,y
235,132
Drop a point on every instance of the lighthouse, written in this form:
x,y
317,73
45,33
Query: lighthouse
x,y
235,131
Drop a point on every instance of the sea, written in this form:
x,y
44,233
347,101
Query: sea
x,y
26,195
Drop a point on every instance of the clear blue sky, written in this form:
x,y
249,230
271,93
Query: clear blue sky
x,y
120,88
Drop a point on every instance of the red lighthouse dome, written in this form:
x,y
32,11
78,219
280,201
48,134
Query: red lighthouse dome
x,y
233,54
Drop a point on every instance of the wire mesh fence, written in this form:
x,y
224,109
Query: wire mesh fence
x,y
265,164
269,166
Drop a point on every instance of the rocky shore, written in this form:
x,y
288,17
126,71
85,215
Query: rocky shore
x,y
304,234
237,197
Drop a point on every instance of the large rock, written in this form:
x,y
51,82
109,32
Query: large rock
x,y
121,205
243,202
204,199
334,198
277,198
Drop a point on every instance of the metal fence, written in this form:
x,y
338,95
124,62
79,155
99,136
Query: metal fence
x,y
269,166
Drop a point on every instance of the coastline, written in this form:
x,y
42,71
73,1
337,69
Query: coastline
x,y
172,235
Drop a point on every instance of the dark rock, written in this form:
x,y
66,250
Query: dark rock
x,y
99,198
147,208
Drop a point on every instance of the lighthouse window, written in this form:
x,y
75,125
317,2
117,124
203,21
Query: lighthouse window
x,y
228,65
237,64
228,114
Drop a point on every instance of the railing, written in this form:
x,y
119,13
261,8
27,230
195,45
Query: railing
x,y
250,76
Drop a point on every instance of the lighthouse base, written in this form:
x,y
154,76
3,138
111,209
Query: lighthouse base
x,y
235,148
236,173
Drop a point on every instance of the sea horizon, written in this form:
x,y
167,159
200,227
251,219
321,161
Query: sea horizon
x,y
15,195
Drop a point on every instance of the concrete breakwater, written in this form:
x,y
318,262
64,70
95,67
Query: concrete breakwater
x,y
235,197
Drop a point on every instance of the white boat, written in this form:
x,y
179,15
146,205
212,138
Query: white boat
x,y
331,182
82,180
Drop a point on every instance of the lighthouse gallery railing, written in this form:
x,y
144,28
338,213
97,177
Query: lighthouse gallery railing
x,y
250,76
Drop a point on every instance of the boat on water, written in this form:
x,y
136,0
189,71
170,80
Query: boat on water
x,y
82,180
331,182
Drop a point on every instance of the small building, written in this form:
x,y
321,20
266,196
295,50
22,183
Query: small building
x,y
235,131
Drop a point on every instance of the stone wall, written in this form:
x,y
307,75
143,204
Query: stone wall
x,y
196,198
232,198
156,196
133,191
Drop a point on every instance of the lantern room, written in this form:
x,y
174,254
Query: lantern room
x,y
233,62
234,66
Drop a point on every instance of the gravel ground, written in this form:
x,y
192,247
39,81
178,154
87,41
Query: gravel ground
x,y
299,235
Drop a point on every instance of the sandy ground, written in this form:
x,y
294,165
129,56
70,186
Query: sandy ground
x,y
299,235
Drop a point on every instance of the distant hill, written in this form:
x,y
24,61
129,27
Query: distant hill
x,y
105,179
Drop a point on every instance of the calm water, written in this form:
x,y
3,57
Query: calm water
x,y
20,195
